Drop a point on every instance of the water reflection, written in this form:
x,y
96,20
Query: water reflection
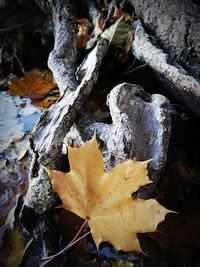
x,y
17,118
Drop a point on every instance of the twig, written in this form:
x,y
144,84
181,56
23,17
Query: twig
x,y
73,242
132,64
67,247
129,71
79,231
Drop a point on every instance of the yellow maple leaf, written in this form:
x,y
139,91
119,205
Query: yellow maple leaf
x,y
104,199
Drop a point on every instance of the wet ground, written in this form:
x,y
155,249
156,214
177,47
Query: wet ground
x,y
177,242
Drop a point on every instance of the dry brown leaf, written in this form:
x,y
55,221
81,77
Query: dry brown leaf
x,y
45,102
83,21
35,84
11,253
98,27
82,36
119,13
124,54
104,199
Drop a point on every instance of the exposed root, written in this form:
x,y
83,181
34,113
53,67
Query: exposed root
x,y
184,87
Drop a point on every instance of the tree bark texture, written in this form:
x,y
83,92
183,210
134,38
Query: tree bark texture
x,y
172,75
175,25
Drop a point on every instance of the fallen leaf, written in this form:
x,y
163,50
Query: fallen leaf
x,y
122,263
104,199
11,253
124,54
98,29
83,21
82,36
46,102
118,12
35,84
118,33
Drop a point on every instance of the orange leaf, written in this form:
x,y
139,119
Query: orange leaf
x,y
83,21
124,54
35,84
98,27
45,102
82,36
104,199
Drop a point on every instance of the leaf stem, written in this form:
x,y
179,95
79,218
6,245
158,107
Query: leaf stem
x,y
129,71
72,242
63,250
130,66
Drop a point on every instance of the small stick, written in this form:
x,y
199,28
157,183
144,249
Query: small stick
x,y
63,250
74,238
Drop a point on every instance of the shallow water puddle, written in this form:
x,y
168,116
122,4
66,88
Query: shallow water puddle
x,y
17,118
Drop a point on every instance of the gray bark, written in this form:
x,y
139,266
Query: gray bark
x,y
54,124
170,45
140,128
176,26
175,78
62,60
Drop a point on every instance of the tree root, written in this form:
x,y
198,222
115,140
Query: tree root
x,y
140,128
184,87
55,123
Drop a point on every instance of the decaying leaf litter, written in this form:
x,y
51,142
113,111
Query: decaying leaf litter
x,y
18,116
117,38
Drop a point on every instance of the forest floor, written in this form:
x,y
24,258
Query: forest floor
x,y
177,241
